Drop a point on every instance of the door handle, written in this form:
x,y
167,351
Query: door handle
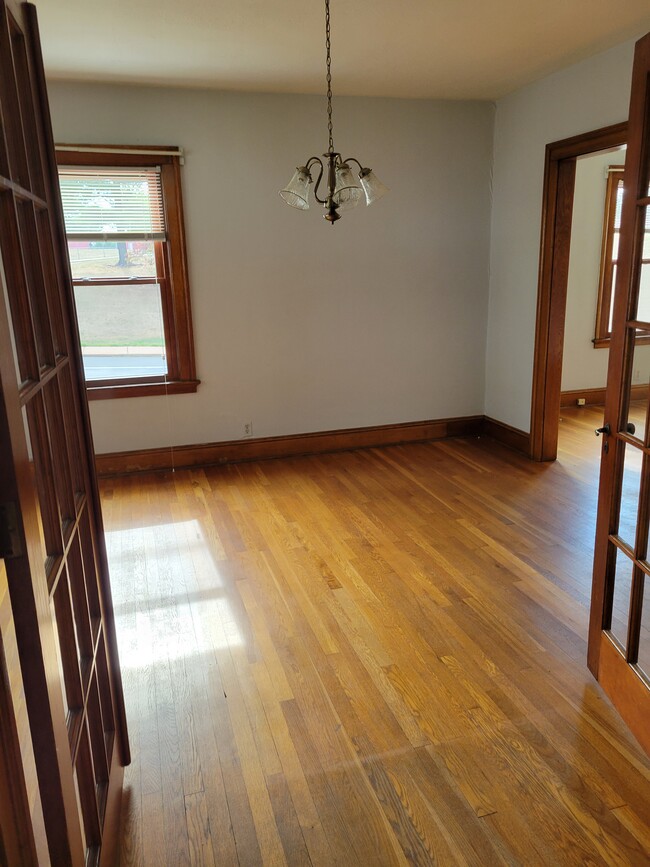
x,y
630,428
605,429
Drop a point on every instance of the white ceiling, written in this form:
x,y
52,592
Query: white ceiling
x,y
454,49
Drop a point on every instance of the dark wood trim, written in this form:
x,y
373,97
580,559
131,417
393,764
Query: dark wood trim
x,y
73,157
144,389
551,307
105,281
236,451
177,273
592,396
605,282
588,142
319,442
557,205
596,396
507,435
605,342
171,267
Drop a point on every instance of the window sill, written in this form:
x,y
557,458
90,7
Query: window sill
x,y
141,389
604,342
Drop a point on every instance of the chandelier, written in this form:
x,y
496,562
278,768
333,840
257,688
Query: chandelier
x,y
343,192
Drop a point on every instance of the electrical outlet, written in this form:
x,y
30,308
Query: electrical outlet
x,y
248,429
581,401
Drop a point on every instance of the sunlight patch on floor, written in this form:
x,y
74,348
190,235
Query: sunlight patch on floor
x,y
160,613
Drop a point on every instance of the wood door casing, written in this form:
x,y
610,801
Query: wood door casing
x,y
57,576
557,211
623,545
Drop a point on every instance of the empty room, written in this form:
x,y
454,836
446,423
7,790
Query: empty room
x,y
324,433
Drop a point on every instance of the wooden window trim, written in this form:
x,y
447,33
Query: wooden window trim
x,y
603,342
602,335
606,287
171,263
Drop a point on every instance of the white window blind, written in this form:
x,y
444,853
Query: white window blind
x,y
619,208
112,204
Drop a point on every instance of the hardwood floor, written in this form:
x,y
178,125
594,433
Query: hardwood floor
x,y
370,658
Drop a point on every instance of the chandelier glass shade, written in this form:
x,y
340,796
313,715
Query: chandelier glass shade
x,y
345,188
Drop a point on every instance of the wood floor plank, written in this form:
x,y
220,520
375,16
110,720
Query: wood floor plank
x,y
339,831
198,826
370,658
294,774
234,786
153,830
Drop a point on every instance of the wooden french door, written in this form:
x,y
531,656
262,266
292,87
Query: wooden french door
x,y
51,536
619,629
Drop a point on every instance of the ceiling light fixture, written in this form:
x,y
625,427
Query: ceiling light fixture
x,y
343,190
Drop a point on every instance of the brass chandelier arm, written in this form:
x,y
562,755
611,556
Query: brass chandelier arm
x,y
333,162
310,163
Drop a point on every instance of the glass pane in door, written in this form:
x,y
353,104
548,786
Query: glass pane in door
x,y
644,636
643,305
621,600
631,485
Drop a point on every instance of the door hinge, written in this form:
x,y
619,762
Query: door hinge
x,y
10,541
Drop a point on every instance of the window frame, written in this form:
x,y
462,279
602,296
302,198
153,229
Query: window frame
x,y
602,334
171,268
602,337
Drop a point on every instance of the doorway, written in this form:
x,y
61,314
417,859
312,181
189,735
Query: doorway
x,y
557,218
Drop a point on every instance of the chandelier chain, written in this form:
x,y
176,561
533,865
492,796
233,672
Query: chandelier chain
x,y
342,190
328,46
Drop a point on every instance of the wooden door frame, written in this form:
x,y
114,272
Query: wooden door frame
x,y
557,211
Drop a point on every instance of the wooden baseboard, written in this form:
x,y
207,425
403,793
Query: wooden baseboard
x,y
236,451
509,436
596,396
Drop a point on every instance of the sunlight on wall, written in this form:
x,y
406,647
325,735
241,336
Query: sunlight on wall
x,y
170,599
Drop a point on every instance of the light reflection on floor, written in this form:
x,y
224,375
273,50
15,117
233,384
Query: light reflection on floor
x,y
160,613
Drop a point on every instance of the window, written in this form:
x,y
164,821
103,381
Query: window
x,y
609,258
124,223
609,255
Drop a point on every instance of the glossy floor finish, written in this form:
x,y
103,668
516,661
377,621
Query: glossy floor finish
x,y
370,658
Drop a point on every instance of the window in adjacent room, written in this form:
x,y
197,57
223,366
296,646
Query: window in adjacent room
x,y
609,255
124,224
609,260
